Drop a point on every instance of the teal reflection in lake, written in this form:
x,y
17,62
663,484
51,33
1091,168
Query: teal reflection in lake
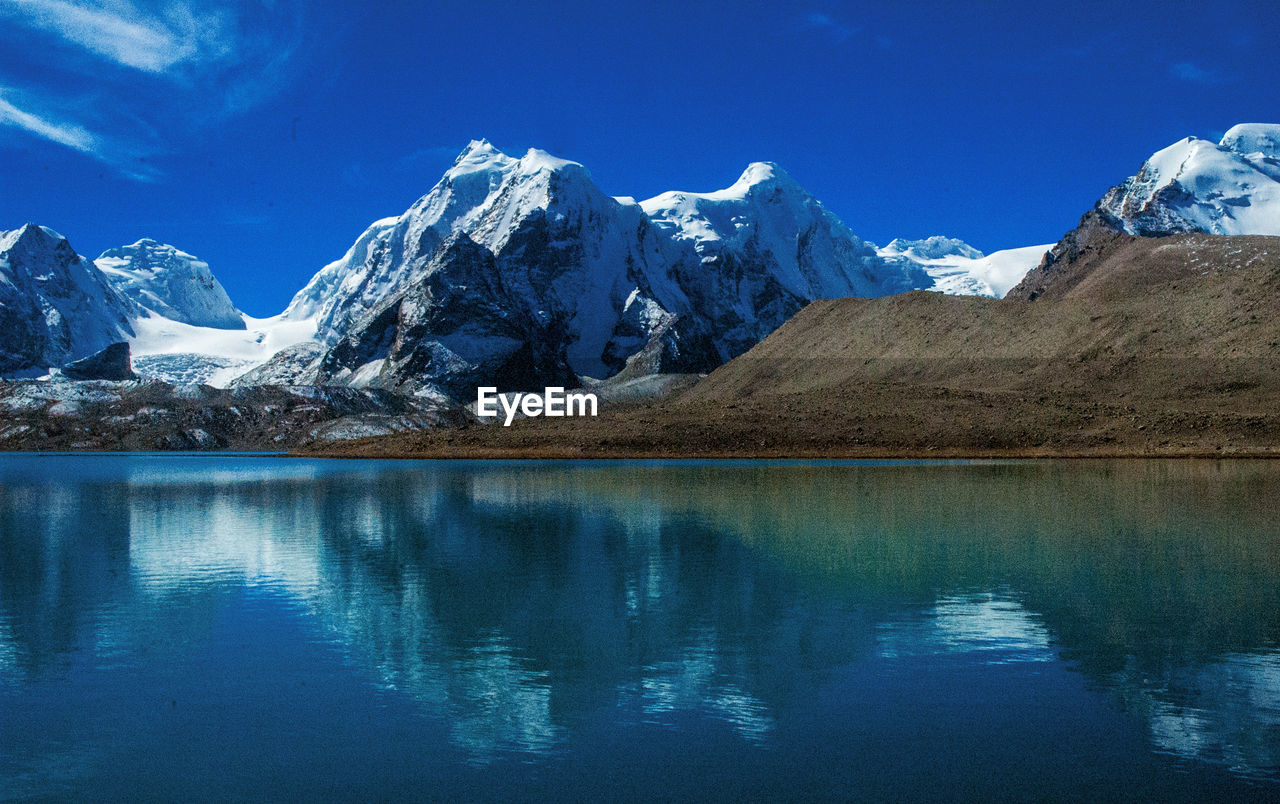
x,y
176,626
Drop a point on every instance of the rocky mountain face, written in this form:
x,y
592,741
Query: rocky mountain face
x,y
170,283
1065,263
454,327
522,271
55,306
112,363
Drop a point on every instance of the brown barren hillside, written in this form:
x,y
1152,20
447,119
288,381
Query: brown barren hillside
x,y
1115,346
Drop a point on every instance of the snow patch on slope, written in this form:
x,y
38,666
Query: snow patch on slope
x,y
180,353
959,269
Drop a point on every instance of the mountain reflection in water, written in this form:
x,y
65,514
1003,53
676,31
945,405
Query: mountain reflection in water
x,y
521,609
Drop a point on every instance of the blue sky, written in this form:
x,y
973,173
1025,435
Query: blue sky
x,y
265,135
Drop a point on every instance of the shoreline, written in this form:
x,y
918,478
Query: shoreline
x,y
567,454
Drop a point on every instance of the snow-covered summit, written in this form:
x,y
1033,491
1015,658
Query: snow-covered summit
x,y
1229,188
758,178
767,214
55,306
170,283
478,156
931,248
486,194
486,191
1248,139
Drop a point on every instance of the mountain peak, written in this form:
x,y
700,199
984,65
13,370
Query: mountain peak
x,y
757,176
536,160
1253,138
170,283
57,305
150,253
1195,185
30,234
765,174
479,157
475,148
932,248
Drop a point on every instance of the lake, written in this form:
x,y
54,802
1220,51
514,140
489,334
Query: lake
x,y
255,626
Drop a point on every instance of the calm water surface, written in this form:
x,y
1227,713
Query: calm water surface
x,y
195,627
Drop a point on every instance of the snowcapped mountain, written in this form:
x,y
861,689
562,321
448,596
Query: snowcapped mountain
x,y
751,255
767,216
170,283
959,269
564,250
523,269
185,327
932,248
1194,185
55,306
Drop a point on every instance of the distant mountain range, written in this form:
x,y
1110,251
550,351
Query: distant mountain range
x,y
521,272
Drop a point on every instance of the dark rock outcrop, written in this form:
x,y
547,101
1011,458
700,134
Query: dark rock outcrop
x,y
1064,265
112,363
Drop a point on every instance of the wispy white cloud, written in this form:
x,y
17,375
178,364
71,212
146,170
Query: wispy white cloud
x,y
818,21
118,70
1190,71
125,158
121,32
67,134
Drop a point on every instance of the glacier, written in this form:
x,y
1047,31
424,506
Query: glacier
x,y
959,269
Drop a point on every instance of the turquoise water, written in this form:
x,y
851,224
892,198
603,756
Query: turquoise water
x,y
247,627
